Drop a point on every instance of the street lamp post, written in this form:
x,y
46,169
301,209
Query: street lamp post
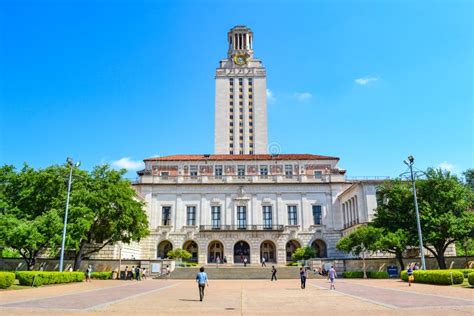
x,y
410,163
63,242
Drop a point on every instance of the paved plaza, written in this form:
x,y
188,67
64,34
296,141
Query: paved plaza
x,y
244,297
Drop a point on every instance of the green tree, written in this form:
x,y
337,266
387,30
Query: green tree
x,y
394,243
179,253
104,209
446,212
30,223
395,214
303,253
359,242
469,177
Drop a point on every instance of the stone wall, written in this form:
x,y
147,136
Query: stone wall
x,y
381,264
11,264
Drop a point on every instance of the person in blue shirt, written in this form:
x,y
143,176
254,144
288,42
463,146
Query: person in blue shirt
x,y
201,279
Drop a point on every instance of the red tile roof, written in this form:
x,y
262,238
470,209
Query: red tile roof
x,y
241,157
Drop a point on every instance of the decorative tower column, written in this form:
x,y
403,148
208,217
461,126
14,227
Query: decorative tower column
x,y
241,103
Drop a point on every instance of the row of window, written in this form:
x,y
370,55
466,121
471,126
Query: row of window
x,y
241,117
263,171
241,216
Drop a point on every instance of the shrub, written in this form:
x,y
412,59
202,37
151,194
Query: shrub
x,y
353,275
101,275
470,278
370,274
41,278
6,279
378,275
464,271
293,264
441,277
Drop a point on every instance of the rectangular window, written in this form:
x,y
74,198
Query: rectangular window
x,y
292,218
263,172
193,171
241,172
317,214
267,217
318,174
288,171
241,217
191,216
218,171
216,217
166,216
165,174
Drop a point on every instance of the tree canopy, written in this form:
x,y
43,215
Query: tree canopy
x,y
103,209
303,253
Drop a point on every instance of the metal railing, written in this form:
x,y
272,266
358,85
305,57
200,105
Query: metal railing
x,y
241,227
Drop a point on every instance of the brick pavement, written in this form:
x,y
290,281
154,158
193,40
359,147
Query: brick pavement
x,y
243,297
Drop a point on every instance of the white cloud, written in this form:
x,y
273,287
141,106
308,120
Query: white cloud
x,y
127,163
303,96
365,80
447,166
270,97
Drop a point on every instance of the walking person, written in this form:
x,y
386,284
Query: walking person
x,y
218,261
88,273
201,279
138,275
274,273
130,273
245,261
411,278
263,262
332,275
144,273
302,277
125,273
168,272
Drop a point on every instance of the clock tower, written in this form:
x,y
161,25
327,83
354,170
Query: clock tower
x,y
240,104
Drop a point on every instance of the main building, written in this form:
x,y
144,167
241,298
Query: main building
x,y
243,202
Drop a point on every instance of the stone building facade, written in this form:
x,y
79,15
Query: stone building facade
x,y
249,206
242,203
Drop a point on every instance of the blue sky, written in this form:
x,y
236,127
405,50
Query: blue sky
x,y
118,81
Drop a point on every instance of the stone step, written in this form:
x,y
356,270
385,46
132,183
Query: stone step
x,y
240,273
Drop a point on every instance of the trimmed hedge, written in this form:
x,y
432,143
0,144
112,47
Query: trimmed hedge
x,y
470,278
466,272
353,274
101,275
378,275
441,277
43,278
370,274
6,279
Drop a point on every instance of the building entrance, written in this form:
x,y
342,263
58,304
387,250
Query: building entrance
x,y
241,251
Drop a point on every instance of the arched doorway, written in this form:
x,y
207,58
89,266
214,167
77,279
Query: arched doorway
x,y
268,251
163,248
191,247
319,248
241,251
214,251
291,246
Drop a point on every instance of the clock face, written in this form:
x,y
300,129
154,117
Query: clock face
x,y
240,59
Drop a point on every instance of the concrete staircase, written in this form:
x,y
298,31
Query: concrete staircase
x,y
239,272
